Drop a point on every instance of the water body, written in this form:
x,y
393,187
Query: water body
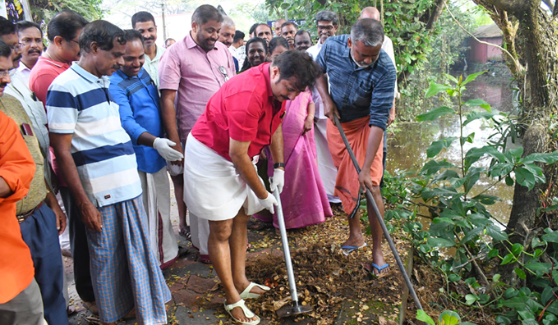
x,y
407,148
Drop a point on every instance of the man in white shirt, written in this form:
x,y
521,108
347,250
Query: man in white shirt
x,y
144,23
327,22
31,39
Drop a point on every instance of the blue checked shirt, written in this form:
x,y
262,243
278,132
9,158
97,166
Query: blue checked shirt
x,y
358,92
138,103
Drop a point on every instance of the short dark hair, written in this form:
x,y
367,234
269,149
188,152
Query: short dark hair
x,y
326,15
301,32
300,65
205,13
253,28
132,35
142,17
169,39
278,41
287,23
66,25
101,32
238,35
266,25
5,50
6,27
24,24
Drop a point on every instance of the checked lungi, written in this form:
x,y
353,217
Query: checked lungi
x,y
124,271
156,202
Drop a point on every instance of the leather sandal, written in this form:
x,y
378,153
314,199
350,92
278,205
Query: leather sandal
x,y
247,312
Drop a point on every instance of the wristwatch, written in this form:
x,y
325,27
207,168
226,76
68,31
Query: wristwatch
x,y
277,165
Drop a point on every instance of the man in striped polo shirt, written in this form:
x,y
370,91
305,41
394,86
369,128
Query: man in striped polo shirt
x,y
98,162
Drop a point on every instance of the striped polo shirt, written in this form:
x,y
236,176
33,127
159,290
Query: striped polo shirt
x,y
80,103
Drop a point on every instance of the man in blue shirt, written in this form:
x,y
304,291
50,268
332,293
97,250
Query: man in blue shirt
x,y
362,79
138,99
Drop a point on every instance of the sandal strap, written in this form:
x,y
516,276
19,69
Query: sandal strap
x,y
252,285
242,304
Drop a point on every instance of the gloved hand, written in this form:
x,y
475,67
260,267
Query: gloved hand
x,y
163,147
269,203
277,182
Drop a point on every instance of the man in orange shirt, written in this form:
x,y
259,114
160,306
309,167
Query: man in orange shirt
x,y
20,298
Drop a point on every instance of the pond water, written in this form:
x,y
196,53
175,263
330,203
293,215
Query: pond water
x,y
407,147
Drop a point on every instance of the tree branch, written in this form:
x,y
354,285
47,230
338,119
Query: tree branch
x,y
511,5
438,9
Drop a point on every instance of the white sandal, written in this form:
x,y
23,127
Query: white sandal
x,y
246,294
247,312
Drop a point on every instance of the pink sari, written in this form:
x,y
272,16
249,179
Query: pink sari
x,y
304,197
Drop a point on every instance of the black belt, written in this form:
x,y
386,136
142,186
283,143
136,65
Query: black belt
x,y
22,217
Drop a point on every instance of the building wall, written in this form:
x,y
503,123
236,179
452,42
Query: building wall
x,y
482,53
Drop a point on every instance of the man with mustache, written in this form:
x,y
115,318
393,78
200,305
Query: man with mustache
x,y
302,40
63,32
226,36
20,297
288,31
31,38
98,162
264,31
41,218
9,36
362,79
327,23
138,103
144,23
190,72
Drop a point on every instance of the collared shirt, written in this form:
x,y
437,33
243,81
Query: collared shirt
x,y
315,49
42,75
138,104
243,110
36,112
80,104
388,47
152,66
358,92
17,169
10,106
196,76
25,72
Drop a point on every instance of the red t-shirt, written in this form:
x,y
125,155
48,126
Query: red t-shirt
x,y
42,75
243,110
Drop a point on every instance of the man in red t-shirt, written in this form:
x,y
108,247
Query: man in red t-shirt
x,y
221,183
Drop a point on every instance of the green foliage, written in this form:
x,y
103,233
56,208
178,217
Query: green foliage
x,y
447,317
44,10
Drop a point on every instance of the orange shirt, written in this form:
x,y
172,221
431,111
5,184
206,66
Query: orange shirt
x,y
17,169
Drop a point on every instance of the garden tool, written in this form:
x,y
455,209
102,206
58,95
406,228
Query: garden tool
x,y
296,308
370,199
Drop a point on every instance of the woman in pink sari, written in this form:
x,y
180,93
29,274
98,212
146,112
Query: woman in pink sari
x,y
304,197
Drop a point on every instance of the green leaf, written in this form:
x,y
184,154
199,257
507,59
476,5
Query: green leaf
x,y
475,154
520,273
433,167
515,302
516,249
507,259
509,181
475,115
516,153
543,267
435,88
496,277
439,192
548,158
503,320
547,293
501,169
478,102
435,113
496,233
487,199
537,172
422,316
437,146
551,236
470,299
440,242
454,277
510,293
471,77
493,253
525,177
471,234
448,317
551,208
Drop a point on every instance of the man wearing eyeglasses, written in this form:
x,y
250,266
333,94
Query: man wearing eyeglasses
x,y
190,72
9,36
31,39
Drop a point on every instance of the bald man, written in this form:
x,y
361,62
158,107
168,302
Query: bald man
x,y
373,13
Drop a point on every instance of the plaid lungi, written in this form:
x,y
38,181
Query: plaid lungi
x,y
124,271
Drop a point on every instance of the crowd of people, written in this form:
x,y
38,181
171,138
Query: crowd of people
x,y
94,124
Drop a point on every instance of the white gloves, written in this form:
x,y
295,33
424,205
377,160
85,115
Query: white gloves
x,y
269,203
277,182
163,147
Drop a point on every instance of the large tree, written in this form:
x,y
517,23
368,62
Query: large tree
x,y
531,38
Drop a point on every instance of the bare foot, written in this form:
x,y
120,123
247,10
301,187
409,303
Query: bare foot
x,y
356,240
378,259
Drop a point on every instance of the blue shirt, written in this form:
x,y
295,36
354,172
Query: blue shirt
x,y
358,92
138,101
79,103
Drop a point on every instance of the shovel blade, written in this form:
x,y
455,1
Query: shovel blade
x,y
290,310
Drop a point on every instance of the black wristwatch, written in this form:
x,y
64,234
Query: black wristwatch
x,y
277,165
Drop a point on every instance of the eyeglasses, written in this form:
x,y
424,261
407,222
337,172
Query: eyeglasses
x,y
328,27
28,41
4,73
224,73
77,42
16,47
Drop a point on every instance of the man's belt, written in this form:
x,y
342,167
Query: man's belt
x,y
22,217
